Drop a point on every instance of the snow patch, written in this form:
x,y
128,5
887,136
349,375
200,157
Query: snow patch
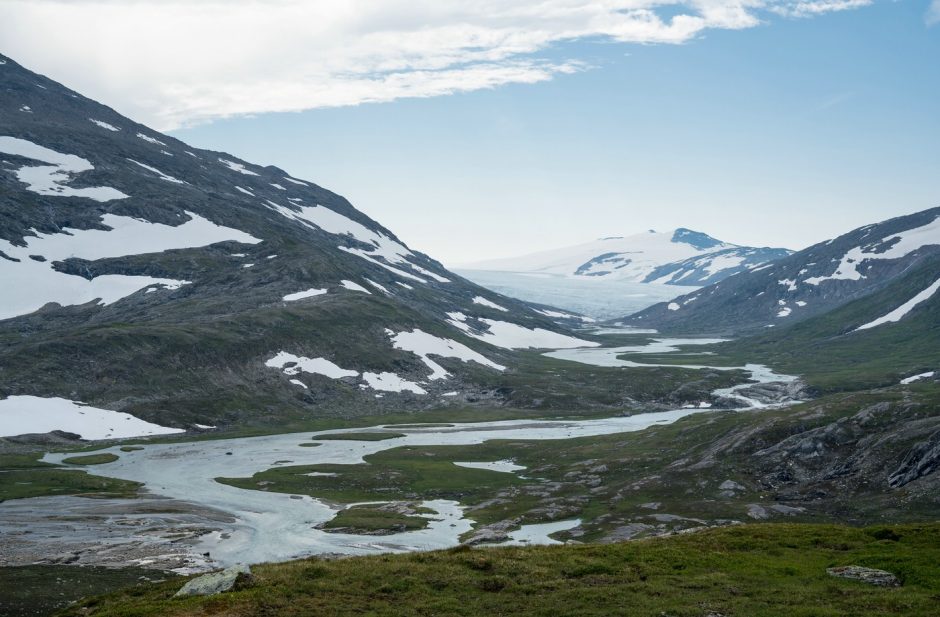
x,y
104,125
913,378
905,243
237,167
424,345
245,191
152,140
390,382
159,173
513,336
20,415
484,302
29,284
673,306
351,286
300,295
52,179
899,313
315,366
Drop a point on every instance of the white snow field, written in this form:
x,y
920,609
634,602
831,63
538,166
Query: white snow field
x,y
390,382
237,167
104,125
913,378
905,243
353,286
899,313
53,178
424,345
505,466
30,284
316,366
484,302
597,297
300,295
20,415
150,140
384,251
513,336
156,171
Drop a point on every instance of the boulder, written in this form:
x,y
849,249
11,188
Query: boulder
x,y
881,578
214,582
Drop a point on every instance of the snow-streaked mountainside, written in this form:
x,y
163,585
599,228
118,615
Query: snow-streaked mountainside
x,y
190,288
815,281
678,257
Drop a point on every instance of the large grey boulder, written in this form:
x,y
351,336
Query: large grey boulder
x,y
881,578
214,582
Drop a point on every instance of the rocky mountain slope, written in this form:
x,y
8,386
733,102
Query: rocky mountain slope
x,y
189,288
815,281
678,257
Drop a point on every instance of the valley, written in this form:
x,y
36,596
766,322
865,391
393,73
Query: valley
x,y
209,363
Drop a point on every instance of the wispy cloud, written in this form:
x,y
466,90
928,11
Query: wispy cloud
x,y
172,63
932,17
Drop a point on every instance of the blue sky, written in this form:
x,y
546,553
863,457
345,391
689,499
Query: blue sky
x,y
785,132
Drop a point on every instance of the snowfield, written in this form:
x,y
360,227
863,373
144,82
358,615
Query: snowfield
x,y
513,336
423,344
52,179
384,251
20,415
899,313
315,366
300,295
903,244
30,284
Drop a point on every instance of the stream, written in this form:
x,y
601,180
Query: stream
x,y
230,525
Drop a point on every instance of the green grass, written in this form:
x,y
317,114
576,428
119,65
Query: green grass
x,y
753,570
91,459
131,448
358,436
402,474
24,475
376,519
62,585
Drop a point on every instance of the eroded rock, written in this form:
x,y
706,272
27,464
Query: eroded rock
x,y
214,582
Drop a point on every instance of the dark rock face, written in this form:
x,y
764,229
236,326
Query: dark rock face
x,y
923,459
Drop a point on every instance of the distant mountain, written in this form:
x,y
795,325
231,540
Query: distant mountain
x,y
191,288
679,257
815,281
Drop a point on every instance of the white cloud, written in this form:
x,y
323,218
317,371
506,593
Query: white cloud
x,y
932,16
171,63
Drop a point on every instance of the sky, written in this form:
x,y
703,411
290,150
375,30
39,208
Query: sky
x,y
483,128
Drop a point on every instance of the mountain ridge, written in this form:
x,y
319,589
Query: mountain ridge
x,y
677,257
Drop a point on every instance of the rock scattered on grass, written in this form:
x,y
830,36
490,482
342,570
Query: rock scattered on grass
x,y
214,582
881,578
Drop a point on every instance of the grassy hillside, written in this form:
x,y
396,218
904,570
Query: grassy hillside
x,y
752,570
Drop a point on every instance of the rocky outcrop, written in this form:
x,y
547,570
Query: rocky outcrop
x,y
922,459
880,578
214,582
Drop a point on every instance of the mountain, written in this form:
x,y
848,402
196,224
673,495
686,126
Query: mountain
x,y
167,287
679,257
813,282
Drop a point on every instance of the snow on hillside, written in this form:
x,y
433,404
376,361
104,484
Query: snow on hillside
x,y
891,247
21,415
31,282
899,313
53,179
